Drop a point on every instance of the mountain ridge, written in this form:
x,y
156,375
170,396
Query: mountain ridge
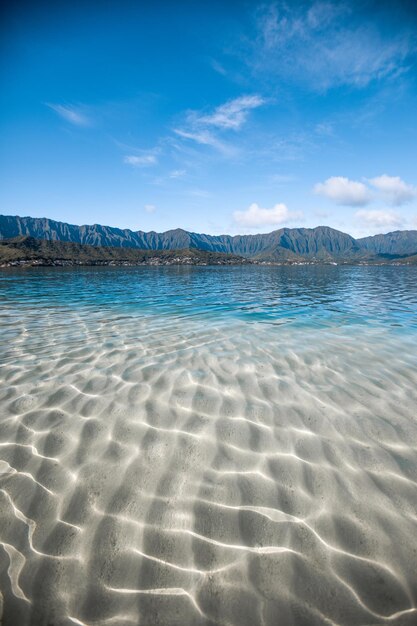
x,y
321,242
28,251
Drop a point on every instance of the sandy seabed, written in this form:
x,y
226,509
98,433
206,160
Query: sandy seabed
x,y
173,472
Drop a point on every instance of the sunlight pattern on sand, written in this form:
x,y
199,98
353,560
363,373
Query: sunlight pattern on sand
x,y
251,461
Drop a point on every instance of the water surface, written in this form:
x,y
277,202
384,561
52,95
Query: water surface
x,y
201,445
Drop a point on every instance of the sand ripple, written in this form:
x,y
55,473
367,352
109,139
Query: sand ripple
x,y
157,472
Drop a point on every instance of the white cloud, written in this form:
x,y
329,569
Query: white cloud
x,y
256,216
232,114
205,128
379,218
150,208
70,114
394,189
141,161
390,189
344,191
205,138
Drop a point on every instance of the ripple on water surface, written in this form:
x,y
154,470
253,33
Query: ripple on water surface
x,y
251,461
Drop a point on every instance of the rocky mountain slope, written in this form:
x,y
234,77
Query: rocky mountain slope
x,y
321,243
399,242
26,250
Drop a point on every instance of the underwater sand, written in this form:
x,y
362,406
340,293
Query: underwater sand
x,y
171,467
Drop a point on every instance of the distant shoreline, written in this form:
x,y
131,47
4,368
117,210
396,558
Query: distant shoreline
x,y
26,251
26,239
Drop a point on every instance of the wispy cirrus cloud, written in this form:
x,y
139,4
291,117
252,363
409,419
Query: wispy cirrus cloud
x,y
324,44
208,128
144,160
218,67
70,114
281,179
198,193
177,173
202,137
343,191
232,114
256,216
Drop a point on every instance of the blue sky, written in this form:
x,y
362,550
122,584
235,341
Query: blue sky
x,y
215,117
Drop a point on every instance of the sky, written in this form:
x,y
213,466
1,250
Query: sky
x,y
216,117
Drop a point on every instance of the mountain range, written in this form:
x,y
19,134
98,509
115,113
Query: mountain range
x,y
286,244
28,251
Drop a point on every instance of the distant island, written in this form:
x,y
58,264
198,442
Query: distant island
x,y
27,241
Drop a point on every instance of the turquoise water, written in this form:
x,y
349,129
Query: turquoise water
x,y
202,446
303,295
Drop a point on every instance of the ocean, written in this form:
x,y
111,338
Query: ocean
x,y
208,446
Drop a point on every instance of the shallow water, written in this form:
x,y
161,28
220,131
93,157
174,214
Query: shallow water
x,y
232,446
